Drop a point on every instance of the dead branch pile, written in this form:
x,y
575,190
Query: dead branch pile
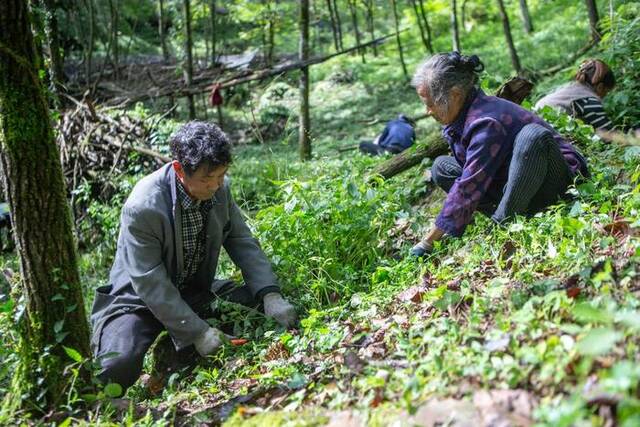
x,y
95,147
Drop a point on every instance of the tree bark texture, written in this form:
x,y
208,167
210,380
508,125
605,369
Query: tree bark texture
x,y
594,19
515,60
304,141
49,290
398,41
526,17
188,69
455,34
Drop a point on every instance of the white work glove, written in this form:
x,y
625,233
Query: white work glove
x,y
209,342
280,309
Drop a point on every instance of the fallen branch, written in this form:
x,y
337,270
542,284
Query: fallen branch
x,y
241,78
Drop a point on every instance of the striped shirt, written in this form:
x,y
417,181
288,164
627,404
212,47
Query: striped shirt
x,y
590,111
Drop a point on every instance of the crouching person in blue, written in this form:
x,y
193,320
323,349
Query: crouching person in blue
x,y
506,160
397,136
173,226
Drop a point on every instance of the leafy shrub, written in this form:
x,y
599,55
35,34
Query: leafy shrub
x,y
621,51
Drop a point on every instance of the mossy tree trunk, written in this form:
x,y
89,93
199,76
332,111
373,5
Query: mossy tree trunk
x,y
50,298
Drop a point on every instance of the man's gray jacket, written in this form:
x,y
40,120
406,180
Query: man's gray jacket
x,y
150,258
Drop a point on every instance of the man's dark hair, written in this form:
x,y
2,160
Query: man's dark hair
x,y
199,143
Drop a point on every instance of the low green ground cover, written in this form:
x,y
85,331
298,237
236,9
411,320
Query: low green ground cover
x,y
548,304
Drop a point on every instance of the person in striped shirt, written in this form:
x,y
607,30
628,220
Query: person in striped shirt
x,y
582,98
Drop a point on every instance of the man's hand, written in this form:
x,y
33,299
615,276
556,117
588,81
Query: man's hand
x,y
280,309
209,342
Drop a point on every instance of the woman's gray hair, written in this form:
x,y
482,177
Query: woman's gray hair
x,y
443,71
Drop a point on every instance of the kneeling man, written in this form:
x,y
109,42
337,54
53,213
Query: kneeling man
x,y
173,226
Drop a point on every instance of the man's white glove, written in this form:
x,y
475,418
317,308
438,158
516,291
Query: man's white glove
x,y
280,309
210,341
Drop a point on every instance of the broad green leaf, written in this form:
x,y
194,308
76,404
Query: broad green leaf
x,y
113,390
598,341
587,313
73,354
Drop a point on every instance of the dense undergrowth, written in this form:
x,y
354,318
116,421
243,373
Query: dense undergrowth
x,y
549,304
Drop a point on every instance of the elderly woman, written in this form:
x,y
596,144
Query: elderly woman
x,y
506,160
582,98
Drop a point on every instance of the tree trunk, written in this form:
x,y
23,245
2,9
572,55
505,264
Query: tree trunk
x,y
113,10
370,27
188,68
303,138
526,17
338,23
594,19
271,34
53,41
515,61
354,21
434,146
334,28
49,290
427,27
89,47
455,35
161,31
425,42
463,15
398,41
214,30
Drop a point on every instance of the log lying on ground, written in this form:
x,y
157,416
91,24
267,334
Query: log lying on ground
x,y
434,146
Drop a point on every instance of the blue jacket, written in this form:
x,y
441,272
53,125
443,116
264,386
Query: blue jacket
x,y
398,135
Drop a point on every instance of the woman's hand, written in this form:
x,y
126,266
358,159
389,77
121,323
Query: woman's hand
x,y
426,245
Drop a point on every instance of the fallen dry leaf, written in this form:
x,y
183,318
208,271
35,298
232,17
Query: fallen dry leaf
x,y
413,294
